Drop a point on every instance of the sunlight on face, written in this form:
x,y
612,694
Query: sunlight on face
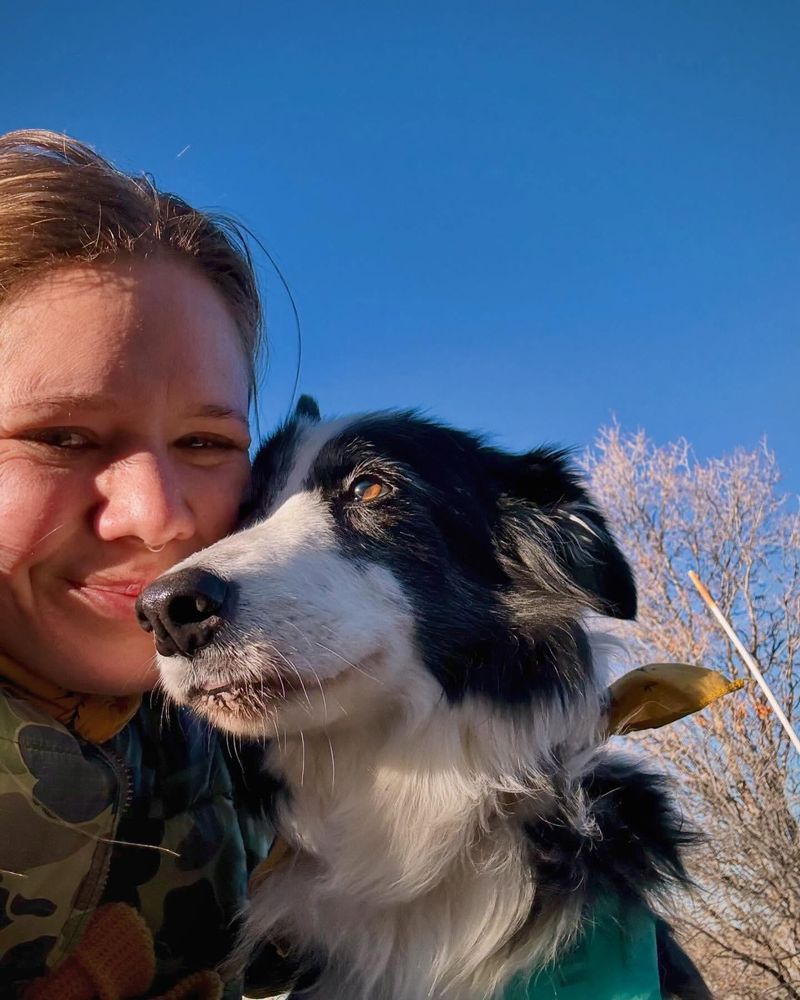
x,y
123,428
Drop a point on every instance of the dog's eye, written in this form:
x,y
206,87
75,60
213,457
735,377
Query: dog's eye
x,y
367,489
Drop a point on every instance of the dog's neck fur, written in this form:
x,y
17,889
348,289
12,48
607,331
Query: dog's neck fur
x,y
408,840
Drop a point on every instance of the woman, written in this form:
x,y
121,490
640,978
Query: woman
x,y
129,333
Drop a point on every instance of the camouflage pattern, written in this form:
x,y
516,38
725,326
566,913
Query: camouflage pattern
x,y
160,782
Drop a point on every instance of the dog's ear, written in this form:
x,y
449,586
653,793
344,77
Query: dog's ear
x,y
547,514
307,409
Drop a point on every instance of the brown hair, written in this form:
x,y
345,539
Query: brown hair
x,y
62,202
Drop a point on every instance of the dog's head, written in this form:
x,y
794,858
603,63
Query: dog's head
x,y
388,561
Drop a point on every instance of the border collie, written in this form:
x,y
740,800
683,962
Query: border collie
x,y
402,621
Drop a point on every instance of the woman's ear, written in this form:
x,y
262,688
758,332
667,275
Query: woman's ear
x,y
547,516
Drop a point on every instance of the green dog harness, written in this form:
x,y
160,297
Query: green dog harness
x,y
614,960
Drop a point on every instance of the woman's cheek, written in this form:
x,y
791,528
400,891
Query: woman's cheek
x,y
218,501
35,509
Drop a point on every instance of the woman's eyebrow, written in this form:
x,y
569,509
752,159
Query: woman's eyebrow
x,y
68,401
215,411
79,401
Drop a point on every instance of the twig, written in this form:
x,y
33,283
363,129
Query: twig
x,y
750,663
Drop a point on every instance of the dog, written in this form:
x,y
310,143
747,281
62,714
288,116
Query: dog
x,y
401,622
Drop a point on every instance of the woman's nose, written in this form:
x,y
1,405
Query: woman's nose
x,y
144,497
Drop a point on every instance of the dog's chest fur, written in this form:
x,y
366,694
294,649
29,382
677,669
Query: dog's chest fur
x,y
411,872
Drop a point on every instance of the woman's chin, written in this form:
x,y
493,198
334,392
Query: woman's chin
x,y
109,669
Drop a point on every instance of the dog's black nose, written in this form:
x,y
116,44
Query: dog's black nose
x,y
184,610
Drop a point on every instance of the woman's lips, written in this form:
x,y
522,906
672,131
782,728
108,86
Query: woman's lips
x,y
109,599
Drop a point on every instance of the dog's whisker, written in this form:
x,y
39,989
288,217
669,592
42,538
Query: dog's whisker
x,y
300,680
333,652
47,535
349,663
321,693
282,656
333,764
303,761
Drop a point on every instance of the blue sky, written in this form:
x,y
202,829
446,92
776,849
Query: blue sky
x,y
522,216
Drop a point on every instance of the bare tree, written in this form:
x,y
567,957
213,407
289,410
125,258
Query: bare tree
x,y
740,775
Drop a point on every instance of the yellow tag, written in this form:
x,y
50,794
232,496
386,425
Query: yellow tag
x,y
659,693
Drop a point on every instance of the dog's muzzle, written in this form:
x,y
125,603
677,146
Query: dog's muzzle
x,y
184,610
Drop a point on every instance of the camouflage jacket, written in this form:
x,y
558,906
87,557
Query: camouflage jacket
x,y
163,782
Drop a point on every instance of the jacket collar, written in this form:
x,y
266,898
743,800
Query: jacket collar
x,y
95,717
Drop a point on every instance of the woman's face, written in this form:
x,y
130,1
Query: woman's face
x,y
123,428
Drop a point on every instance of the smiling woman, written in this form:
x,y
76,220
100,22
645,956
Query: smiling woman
x,y
129,330
119,457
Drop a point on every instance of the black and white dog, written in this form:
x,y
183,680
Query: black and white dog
x,y
402,620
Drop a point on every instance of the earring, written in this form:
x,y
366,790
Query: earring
x,y
156,548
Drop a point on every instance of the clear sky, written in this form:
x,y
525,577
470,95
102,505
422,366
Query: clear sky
x,y
522,216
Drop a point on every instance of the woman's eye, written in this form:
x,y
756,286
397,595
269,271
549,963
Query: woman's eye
x,y
199,443
61,437
368,489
